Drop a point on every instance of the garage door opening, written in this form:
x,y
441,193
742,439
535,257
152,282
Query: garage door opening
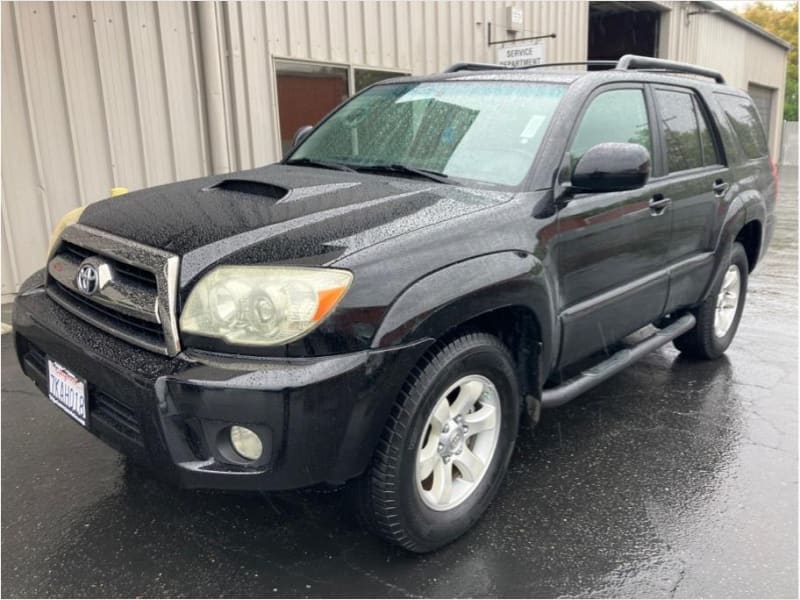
x,y
618,28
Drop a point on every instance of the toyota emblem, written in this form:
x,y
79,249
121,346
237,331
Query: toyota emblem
x,y
87,279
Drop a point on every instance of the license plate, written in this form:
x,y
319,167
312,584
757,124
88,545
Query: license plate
x,y
67,391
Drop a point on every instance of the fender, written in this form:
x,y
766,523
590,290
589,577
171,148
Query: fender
x,y
462,291
756,210
735,219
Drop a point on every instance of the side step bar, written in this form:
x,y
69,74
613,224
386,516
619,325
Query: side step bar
x,y
614,364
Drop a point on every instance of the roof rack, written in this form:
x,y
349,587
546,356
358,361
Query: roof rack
x,y
470,66
629,62
632,62
588,63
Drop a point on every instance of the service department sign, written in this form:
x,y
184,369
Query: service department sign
x,y
523,55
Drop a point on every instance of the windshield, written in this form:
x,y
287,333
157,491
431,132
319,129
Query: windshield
x,y
483,131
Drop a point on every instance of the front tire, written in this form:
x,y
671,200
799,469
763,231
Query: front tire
x,y
718,317
447,444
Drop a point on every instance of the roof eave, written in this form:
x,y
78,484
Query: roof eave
x,y
732,16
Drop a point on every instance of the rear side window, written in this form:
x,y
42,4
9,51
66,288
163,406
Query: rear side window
x,y
688,138
744,120
613,116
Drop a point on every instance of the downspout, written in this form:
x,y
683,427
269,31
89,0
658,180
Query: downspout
x,y
212,53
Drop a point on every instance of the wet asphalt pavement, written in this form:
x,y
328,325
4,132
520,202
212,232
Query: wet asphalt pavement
x,y
674,478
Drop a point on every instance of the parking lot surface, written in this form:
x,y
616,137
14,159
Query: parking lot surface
x,y
673,479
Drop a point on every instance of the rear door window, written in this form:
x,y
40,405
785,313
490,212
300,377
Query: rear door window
x,y
744,120
618,115
709,148
684,130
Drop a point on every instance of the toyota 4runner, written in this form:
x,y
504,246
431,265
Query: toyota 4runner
x,y
437,258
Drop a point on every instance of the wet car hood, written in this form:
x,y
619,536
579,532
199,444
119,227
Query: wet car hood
x,y
280,213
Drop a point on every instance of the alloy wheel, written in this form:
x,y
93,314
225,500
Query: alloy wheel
x,y
458,442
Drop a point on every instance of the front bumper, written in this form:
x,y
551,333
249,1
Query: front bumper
x,y
319,419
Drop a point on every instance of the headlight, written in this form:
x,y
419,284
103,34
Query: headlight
x,y
262,306
68,219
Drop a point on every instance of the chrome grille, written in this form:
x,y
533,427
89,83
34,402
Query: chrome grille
x,y
136,294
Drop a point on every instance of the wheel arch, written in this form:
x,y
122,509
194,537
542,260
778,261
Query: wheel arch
x,y
505,294
518,328
735,220
750,235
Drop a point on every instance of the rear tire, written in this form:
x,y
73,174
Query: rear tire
x,y
461,402
718,317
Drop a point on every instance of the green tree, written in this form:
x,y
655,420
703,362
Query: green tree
x,y
783,23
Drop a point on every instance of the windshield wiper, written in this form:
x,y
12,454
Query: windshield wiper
x,y
324,164
406,170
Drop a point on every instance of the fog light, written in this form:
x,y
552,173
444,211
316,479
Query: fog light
x,y
246,442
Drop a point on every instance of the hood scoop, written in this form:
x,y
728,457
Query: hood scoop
x,y
251,187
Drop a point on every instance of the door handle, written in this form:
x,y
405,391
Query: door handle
x,y
720,187
658,204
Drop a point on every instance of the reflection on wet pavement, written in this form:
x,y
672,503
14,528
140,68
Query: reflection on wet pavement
x,y
674,478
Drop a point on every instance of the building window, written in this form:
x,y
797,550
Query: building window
x,y
366,77
306,93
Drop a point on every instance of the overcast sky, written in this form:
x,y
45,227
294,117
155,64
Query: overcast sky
x,y
741,4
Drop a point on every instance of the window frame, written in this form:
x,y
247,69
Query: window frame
x,y
700,102
351,69
351,84
655,158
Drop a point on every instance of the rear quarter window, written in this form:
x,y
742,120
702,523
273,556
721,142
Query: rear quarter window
x,y
745,123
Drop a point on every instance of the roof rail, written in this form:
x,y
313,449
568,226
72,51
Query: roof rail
x,y
588,63
629,62
470,66
632,62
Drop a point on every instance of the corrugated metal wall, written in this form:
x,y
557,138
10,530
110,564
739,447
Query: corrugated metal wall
x,y
101,94
93,95
416,37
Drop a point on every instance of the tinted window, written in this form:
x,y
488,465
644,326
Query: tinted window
x,y
681,131
710,155
744,120
613,116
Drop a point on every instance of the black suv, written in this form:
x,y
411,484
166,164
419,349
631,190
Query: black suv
x,y
437,258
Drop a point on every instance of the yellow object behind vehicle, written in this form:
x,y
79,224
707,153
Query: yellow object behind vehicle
x,y
68,219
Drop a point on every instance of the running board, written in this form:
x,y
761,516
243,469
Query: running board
x,y
614,364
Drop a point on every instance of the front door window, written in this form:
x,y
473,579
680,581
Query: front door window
x,y
617,115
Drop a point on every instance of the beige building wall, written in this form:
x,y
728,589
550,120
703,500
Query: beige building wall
x,y
94,95
104,94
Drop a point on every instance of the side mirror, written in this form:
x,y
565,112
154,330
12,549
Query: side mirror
x,y
300,135
611,167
